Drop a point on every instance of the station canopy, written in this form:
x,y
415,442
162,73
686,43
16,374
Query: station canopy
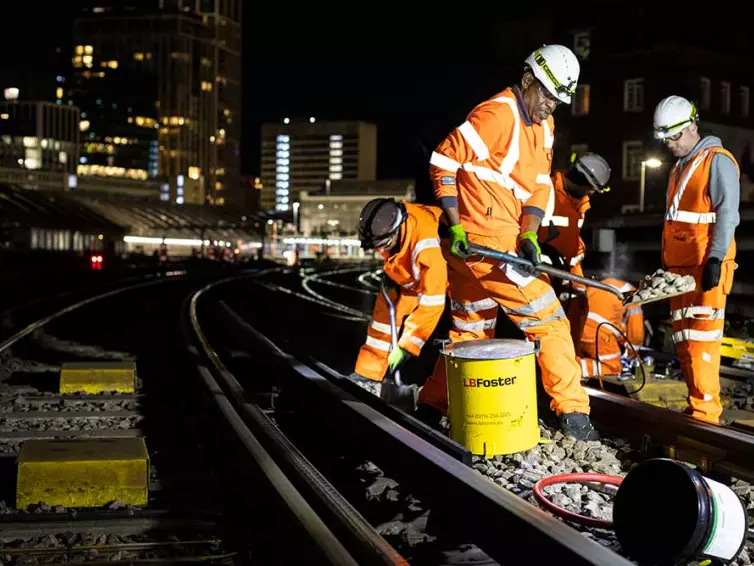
x,y
126,217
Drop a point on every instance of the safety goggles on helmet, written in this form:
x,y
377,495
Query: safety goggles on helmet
x,y
674,131
568,90
546,94
379,222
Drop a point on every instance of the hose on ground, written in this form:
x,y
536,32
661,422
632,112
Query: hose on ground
x,y
539,495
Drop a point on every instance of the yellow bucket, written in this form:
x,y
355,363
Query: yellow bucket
x,y
492,395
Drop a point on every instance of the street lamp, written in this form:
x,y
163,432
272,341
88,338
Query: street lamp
x,y
654,163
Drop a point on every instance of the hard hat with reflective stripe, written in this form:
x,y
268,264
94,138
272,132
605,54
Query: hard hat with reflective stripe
x,y
557,68
673,115
380,220
594,169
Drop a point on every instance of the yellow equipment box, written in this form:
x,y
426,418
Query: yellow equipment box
x,y
492,395
737,349
98,377
90,472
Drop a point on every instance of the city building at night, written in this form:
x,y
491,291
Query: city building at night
x,y
625,72
301,154
159,88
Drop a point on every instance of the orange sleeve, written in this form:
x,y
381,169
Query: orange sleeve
x,y
485,132
577,270
580,253
543,189
432,287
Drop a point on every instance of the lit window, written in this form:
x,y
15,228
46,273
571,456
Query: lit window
x,y
582,44
633,95
580,106
633,155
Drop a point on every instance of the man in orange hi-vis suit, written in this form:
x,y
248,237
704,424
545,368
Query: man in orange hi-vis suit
x,y
607,321
589,173
405,235
698,239
492,179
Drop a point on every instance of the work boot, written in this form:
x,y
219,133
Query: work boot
x,y
374,387
578,426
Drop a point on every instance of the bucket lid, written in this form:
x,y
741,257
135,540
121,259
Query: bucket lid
x,y
661,513
492,349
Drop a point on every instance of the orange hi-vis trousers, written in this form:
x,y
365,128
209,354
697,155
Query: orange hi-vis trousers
x,y
478,287
698,324
608,363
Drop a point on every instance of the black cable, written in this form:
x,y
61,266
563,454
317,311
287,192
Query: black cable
x,y
597,351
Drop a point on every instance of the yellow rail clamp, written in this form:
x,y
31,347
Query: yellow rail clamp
x,y
89,472
98,377
667,393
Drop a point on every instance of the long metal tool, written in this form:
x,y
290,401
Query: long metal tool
x,y
393,390
393,327
544,268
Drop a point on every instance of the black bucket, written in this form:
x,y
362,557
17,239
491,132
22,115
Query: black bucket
x,y
666,513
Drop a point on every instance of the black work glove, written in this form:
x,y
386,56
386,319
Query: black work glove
x,y
711,274
528,248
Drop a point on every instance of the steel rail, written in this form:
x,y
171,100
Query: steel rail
x,y
486,514
36,325
277,456
714,448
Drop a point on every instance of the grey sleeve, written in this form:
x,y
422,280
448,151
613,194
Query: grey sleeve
x,y
448,202
725,194
538,212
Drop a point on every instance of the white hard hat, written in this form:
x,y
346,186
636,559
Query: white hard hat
x,y
673,115
594,169
557,68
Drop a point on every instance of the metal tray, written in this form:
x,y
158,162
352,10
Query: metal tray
x,y
628,303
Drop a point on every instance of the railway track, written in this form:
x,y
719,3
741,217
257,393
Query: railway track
x,y
307,373
198,501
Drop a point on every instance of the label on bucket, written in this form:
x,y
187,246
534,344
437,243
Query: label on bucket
x,y
729,527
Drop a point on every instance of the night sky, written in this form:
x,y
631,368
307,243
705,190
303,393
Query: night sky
x,y
416,79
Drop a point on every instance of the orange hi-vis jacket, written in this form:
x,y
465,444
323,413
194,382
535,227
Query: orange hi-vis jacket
x,y
606,307
496,163
690,217
567,218
419,268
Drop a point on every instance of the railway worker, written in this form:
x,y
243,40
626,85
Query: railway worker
x,y
698,239
405,235
609,325
492,178
588,174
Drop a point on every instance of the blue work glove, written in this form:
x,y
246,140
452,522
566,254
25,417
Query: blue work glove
x,y
459,243
711,274
396,359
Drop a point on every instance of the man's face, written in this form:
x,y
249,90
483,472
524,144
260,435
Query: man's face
x,y
539,103
681,144
579,191
384,247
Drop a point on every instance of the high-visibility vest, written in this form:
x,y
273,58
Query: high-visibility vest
x,y
689,216
495,164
